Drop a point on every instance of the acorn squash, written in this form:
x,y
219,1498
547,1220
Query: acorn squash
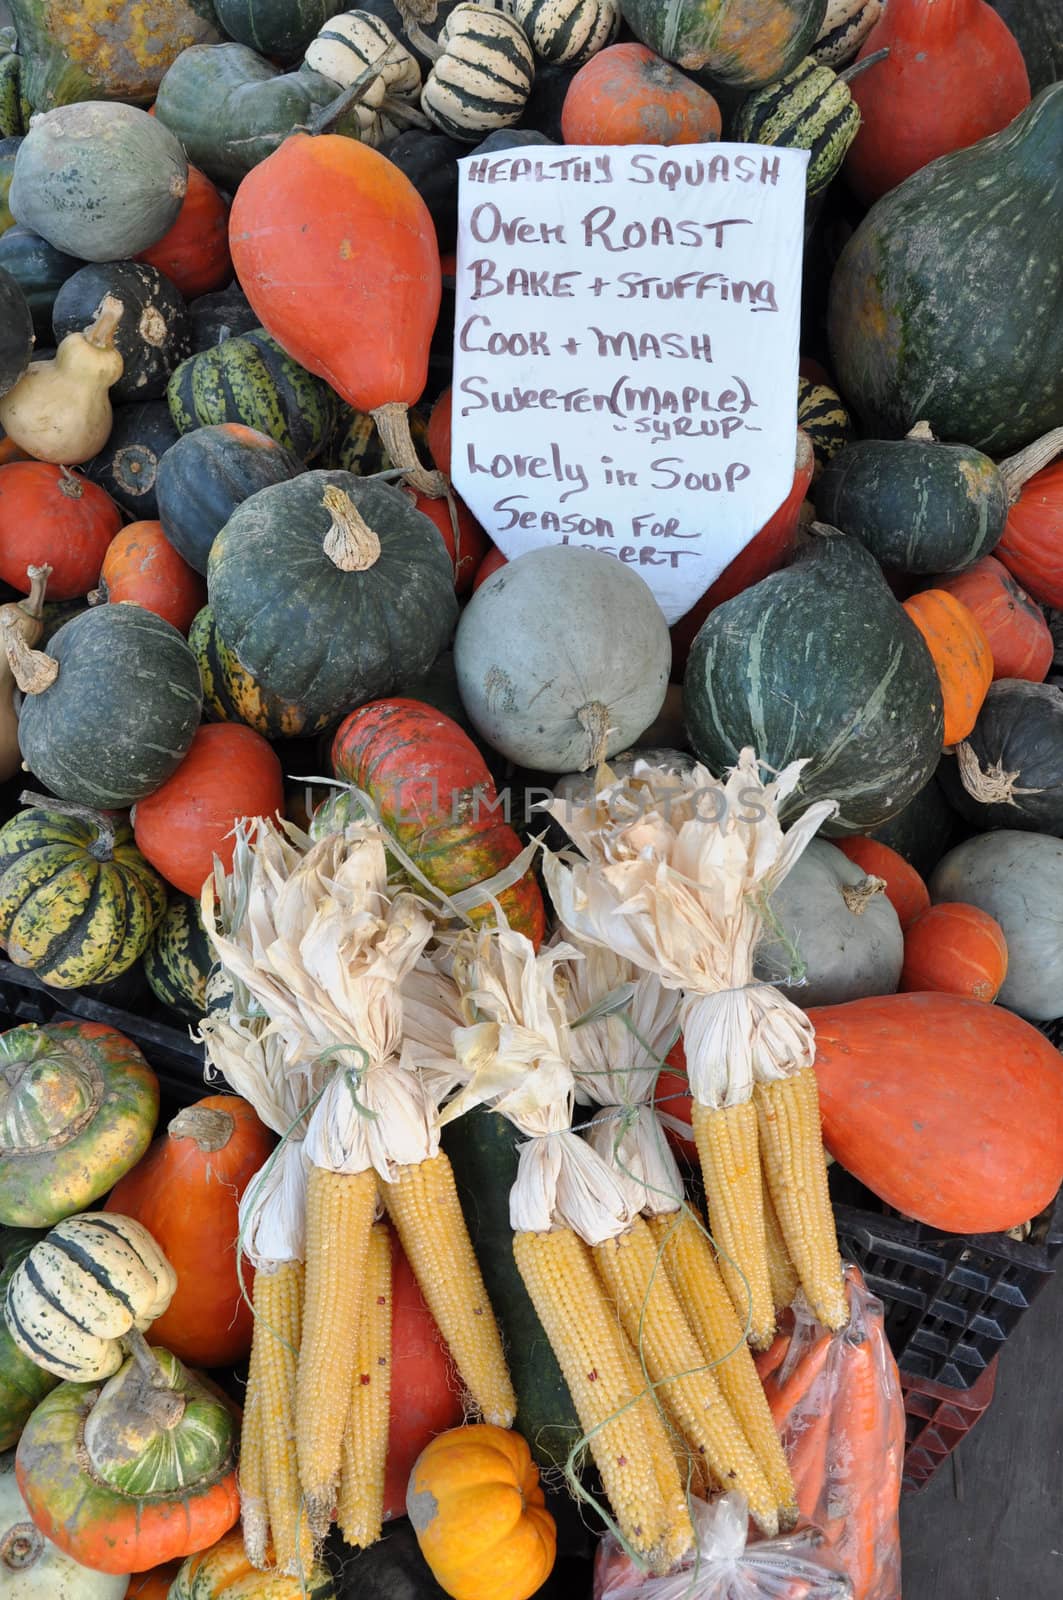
x,y
207,474
278,29
737,43
250,379
825,635
128,465
1038,26
153,332
984,365
923,829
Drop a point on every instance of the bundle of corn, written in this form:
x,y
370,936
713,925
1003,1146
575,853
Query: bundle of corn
x,y
676,873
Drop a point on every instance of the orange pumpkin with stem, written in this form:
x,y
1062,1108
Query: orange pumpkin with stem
x,y
141,566
955,948
627,95
961,653
1014,624
337,254
52,516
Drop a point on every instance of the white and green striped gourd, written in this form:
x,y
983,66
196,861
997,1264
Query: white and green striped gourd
x,y
355,41
846,25
810,109
483,76
568,30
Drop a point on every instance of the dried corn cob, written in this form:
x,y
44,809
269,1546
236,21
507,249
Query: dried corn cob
x,y
278,1302
781,1270
363,1459
679,1470
791,1143
254,1516
730,1164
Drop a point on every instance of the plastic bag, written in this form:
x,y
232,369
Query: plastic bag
x,y
725,1567
837,1403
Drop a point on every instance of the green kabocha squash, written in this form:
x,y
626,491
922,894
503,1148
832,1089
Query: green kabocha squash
x,y
810,109
1038,26
922,830
78,901
110,712
231,694
179,958
78,1107
23,1384
16,332
947,302
99,180
737,43
822,415
153,333
826,636
329,588
1008,772
8,152
251,380
231,108
40,272
918,505
278,29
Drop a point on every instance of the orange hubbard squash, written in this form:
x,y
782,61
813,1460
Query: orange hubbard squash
x,y
948,1109
186,1191
962,656
627,95
1014,624
905,889
141,566
955,949
479,1514
337,254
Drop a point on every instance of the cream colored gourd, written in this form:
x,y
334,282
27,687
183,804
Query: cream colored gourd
x,y
94,1281
31,1566
60,410
22,619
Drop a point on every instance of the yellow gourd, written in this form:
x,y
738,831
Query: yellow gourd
x,y
22,619
477,1508
60,410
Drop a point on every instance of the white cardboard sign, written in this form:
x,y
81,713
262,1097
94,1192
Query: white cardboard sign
x,y
625,351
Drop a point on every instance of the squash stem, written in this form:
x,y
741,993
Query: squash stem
x,y
327,118
861,66
393,425
413,13
858,896
32,670
108,316
33,605
1018,469
102,847
350,543
145,1358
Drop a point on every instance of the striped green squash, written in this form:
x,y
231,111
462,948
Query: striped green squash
x,y
23,1384
810,109
110,711
178,959
357,447
820,663
348,45
251,380
78,901
822,415
484,76
568,30
232,694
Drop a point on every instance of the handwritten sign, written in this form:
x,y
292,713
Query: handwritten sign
x,y
625,352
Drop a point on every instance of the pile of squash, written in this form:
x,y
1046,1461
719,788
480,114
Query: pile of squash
x,y
231,560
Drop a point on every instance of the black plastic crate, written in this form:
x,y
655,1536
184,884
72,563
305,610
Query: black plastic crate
x,y
951,1300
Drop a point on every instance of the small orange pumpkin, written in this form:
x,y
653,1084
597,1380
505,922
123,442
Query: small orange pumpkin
x,y
953,948
477,1508
194,254
142,566
627,95
1014,624
962,655
905,889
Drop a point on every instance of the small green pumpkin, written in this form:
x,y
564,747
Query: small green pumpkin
x,y
738,43
178,959
251,380
78,1107
23,1384
277,29
231,694
329,588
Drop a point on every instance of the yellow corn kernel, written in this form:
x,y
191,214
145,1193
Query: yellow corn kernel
x,y
639,1287
278,1303
559,1275
695,1277
254,1516
730,1165
791,1142
340,1207
679,1470
363,1459
423,1204
781,1270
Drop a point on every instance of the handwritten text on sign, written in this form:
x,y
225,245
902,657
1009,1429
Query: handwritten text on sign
x,y
625,354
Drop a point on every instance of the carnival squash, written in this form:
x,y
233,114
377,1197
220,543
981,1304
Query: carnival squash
x,y
627,95
51,517
1018,879
223,1572
16,332
821,414
904,888
809,108
250,380
128,464
483,74
562,659
31,1566
329,588
356,446
207,474
78,902
827,631
142,567
186,1191
480,1516
25,620
60,409
904,348
961,654
736,43
1008,771
433,791
194,253
23,1384
179,958
572,30
40,271
99,181
350,285
1015,625
152,334
948,1109
232,694
133,1474
955,949
187,822
110,712
954,74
